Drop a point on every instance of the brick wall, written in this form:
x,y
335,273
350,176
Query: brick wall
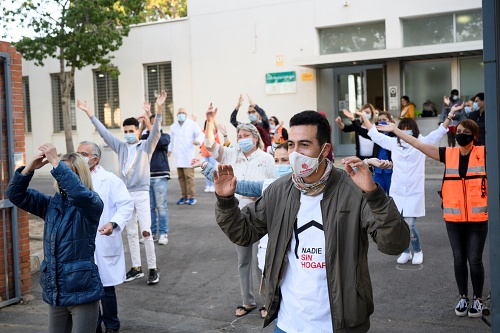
x,y
18,128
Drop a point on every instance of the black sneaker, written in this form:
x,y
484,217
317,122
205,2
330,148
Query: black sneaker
x,y
153,276
462,307
476,309
134,273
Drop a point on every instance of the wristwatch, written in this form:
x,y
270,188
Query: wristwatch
x,y
114,224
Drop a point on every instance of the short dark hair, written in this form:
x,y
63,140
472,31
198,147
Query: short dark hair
x,y
471,125
411,124
313,118
131,121
480,96
406,98
276,121
454,92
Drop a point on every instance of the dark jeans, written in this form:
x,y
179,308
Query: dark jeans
x,y
467,243
109,314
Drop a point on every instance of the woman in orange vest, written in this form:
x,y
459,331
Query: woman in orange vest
x,y
465,207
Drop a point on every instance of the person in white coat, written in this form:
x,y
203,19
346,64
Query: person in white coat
x,y
185,136
109,255
408,177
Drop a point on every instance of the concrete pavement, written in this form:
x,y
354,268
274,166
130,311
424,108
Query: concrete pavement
x,y
199,288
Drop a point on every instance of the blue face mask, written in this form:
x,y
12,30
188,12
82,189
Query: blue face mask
x,y
246,145
252,117
368,116
273,127
454,97
475,106
382,122
467,109
87,160
409,132
130,137
181,117
282,169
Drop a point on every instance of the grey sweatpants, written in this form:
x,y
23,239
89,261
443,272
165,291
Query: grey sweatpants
x,y
247,266
79,318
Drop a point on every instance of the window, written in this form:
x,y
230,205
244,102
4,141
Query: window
x,y
57,115
471,77
449,28
107,99
158,77
352,38
27,105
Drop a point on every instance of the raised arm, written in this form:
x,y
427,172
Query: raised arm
x,y
154,135
112,141
212,146
428,149
234,114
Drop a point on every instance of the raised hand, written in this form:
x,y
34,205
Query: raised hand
x,y
339,122
386,128
455,108
211,113
196,162
446,100
240,101
250,100
37,162
224,180
147,107
50,153
161,98
82,105
222,129
348,114
360,173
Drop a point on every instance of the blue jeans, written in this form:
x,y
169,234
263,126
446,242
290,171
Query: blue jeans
x,y
109,315
414,237
467,243
158,204
212,161
384,180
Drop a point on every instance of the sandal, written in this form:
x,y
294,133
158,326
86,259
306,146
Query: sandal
x,y
244,310
263,312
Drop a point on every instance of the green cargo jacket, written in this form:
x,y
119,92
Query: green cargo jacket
x,y
349,216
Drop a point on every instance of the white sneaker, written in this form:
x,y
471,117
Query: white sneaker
x,y
207,189
404,257
418,258
163,239
211,189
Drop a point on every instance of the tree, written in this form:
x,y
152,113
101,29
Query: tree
x,y
155,10
77,32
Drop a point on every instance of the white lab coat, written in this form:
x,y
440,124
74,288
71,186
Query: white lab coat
x,y
181,142
408,171
118,208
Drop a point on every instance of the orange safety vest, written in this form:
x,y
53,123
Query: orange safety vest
x,y
465,199
280,131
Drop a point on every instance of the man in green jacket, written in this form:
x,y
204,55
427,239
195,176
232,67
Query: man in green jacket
x,y
318,220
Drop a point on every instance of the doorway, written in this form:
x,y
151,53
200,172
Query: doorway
x,y
353,87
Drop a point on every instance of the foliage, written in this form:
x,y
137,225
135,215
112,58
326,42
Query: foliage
x,y
155,10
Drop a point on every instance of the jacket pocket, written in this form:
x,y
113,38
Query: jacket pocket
x,y
111,245
355,303
78,276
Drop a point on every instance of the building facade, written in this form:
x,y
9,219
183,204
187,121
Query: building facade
x,y
289,56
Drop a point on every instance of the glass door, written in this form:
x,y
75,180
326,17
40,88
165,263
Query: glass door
x,y
353,87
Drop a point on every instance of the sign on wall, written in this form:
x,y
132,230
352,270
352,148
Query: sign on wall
x,y
393,98
281,83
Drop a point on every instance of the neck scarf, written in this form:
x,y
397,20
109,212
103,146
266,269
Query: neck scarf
x,y
315,188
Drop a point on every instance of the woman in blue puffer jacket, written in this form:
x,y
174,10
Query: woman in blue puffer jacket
x,y
68,275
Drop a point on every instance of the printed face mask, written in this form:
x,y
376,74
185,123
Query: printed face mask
x,y
181,117
130,137
246,145
282,169
464,139
252,117
302,165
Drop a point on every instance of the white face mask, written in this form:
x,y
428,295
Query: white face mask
x,y
302,165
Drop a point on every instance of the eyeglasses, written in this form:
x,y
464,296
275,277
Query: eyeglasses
x,y
84,154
